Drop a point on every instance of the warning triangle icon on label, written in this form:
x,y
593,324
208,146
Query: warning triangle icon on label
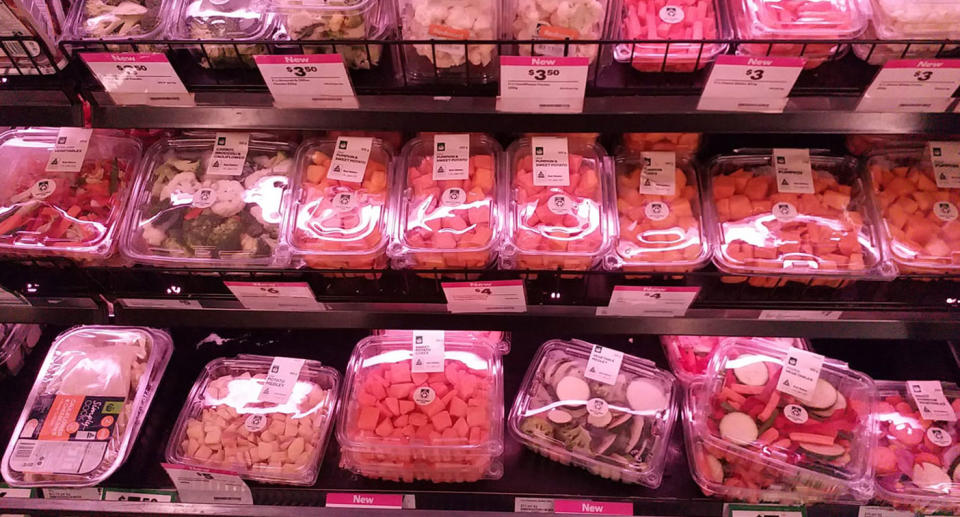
x,y
784,182
943,176
440,170
419,362
646,182
216,163
540,175
336,169
593,370
54,161
786,382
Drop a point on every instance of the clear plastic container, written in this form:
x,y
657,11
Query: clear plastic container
x,y
17,340
74,214
440,427
665,20
338,19
492,337
225,424
797,20
86,407
557,24
39,19
450,22
818,447
618,431
825,238
101,20
445,223
920,226
862,145
917,460
183,216
910,19
681,143
243,21
660,226
565,226
689,355
337,224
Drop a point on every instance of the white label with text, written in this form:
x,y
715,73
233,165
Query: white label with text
x,y
633,300
945,157
229,154
310,80
350,157
542,84
281,378
604,364
931,401
138,78
451,157
428,351
658,176
743,83
69,149
794,173
913,85
551,162
206,486
800,373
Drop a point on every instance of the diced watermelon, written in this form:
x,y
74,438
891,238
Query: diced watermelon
x,y
458,407
418,419
400,391
406,406
400,372
467,385
474,438
441,420
433,408
477,417
368,417
440,388
393,405
376,389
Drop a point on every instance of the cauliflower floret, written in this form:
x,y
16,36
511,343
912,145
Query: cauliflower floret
x,y
229,195
152,235
183,183
248,244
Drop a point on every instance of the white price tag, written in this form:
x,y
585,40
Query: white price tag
x,y
309,80
800,373
197,485
882,511
551,161
799,315
794,174
138,78
229,154
493,296
532,505
743,83
659,174
428,351
913,85
281,378
16,493
350,157
275,296
140,496
632,300
68,152
604,364
931,401
451,157
945,157
763,510
542,84
84,494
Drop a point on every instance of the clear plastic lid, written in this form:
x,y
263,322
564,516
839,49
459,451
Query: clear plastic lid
x,y
38,19
689,355
665,20
659,215
338,223
455,21
63,213
229,423
920,224
448,223
813,19
16,341
918,19
241,20
441,426
618,430
184,215
683,143
126,19
556,23
496,338
86,407
917,458
824,441
566,225
335,20
759,227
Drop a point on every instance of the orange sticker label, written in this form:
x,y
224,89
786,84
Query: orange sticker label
x,y
445,32
556,33
61,420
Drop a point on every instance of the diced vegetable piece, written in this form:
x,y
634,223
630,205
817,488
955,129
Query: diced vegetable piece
x,y
738,428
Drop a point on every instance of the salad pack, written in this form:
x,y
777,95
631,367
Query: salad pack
x,y
910,19
86,407
119,19
689,355
232,421
617,427
450,22
244,21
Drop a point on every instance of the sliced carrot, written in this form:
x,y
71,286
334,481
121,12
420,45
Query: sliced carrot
x,y
769,436
746,389
770,407
732,396
820,439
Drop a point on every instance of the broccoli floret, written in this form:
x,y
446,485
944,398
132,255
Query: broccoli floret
x,y
197,232
173,246
251,226
226,236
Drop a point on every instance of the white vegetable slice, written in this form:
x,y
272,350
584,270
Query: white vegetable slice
x,y
738,428
713,467
931,478
839,405
559,416
573,389
823,451
752,374
824,396
646,395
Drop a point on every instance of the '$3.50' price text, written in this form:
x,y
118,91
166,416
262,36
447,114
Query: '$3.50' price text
x,y
541,74
301,71
132,69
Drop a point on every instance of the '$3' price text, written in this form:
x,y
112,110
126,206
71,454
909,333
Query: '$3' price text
x,y
540,74
301,71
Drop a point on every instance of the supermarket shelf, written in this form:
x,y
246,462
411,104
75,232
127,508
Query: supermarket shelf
x,y
38,108
56,311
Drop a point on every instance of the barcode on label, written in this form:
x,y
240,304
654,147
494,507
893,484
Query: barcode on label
x,y
23,451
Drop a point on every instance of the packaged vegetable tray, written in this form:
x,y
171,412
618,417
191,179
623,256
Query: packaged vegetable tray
x,y
616,425
910,20
400,424
47,210
100,20
918,455
196,204
341,214
920,226
247,22
493,337
681,143
559,210
449,214
450,23
232,420
817,228
658,205
335,20
557,24
665,20
762,435
689,355
17,340
86,407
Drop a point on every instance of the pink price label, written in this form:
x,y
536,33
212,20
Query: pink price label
x,y
492,283
123,57
932,64
306,59
543,61
348,500
648,289
771,61
592,507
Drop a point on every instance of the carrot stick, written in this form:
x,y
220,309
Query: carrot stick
x,y
732,396
769,436
746,389
812,438
770,407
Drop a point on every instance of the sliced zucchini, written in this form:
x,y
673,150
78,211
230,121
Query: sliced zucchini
x,y
839,405
752,374
738,428
824,396
646,395
931,478
559,416
713,467
826,452
573,389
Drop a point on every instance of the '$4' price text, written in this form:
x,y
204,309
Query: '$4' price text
x,y
541,74
301,71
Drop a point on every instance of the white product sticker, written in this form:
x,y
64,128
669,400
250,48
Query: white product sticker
x,y
745,83
275,296
532,505
945,157
939,437
204,198
784,212
945,210
76,494
635,300
350,157
551,161
658,176
281,378
799,315
657,210
451,157
345,201
69,149
800,373
883,511
671,14
604,364
598,407
553,33
62,457
794,173
138,78
255,423
453,197
931,401
423,395
492,296
199,485
139,496
795,413
912,85
561,204
307,81
542,84
229,154
428,351
42,189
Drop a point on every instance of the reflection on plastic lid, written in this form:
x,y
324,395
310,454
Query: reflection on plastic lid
x,y
241,393
469,359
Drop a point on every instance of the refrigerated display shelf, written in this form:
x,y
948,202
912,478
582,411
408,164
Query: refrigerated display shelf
x,y
526,473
